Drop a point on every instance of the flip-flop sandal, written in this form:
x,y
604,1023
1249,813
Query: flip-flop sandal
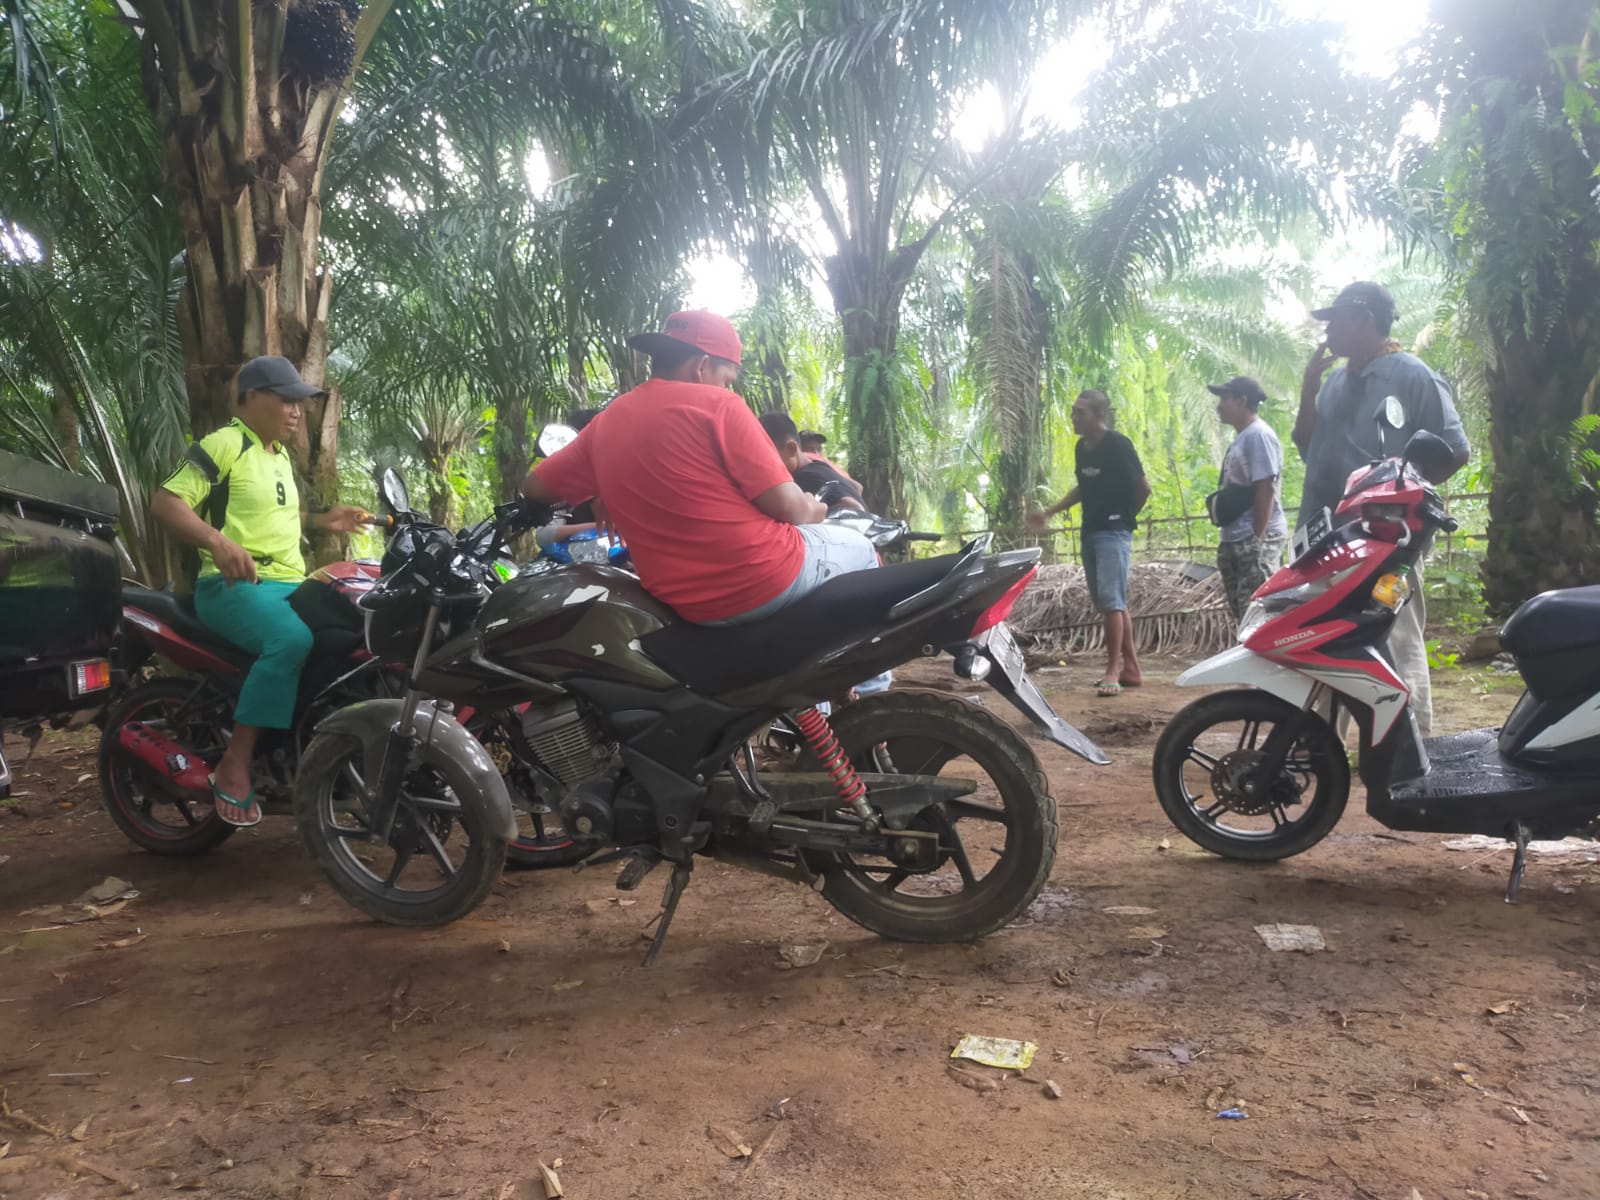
x,y
232,811
1105,688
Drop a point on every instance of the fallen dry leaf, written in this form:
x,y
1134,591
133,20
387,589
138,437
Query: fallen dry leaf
x,y
507,1190
1128,910
552,1184
1152,933
80,1131
122,943
978,1083
727,1141
1504,1007
566,985
505,945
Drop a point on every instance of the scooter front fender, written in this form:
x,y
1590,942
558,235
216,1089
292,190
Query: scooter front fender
x,y
1240,665
443,739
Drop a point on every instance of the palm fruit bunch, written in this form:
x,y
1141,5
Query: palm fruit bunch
x,y
352,9
319,41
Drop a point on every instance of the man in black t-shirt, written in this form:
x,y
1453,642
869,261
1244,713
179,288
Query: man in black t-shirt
x,y
1112,489
812,474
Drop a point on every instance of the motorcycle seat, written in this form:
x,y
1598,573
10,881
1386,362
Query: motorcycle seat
x,y
178,611
724,658
1556,622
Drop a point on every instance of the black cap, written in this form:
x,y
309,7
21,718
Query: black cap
x,y
276,374
1363,297
1242,386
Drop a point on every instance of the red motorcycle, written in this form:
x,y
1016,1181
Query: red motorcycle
x,y
1259,773
163,738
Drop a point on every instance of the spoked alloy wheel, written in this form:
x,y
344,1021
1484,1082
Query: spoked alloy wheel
x,y
155,818
1203,764
997,843
440,859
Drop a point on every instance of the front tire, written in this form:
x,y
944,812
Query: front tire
x,y
441,859
1199,761
999,841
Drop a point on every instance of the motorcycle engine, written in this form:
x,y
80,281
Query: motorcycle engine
x,y
565,742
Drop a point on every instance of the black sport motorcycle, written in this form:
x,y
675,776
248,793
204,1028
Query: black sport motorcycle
x,y
919,816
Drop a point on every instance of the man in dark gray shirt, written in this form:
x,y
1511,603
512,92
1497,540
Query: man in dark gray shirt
x,y
1338,429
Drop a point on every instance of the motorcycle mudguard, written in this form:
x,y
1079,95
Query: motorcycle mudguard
x,y
1376,690
1239,665
443,740
1010,678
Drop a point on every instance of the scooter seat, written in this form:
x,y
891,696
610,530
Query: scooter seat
x,y
1554,623
722,658
178,611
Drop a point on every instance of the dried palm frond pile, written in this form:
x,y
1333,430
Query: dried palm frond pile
x,y
1177,608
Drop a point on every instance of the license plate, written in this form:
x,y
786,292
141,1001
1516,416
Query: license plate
x,y
1311,536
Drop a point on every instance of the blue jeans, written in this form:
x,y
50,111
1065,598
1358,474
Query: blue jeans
x,y
1107,556
830,550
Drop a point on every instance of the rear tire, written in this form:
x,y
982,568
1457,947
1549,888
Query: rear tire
x,y
1191,769
326,801
132,800
920,733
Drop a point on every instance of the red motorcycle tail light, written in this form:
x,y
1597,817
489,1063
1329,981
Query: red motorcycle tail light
x,y
1001,608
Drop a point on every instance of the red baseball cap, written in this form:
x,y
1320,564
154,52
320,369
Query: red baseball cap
x,y
696,330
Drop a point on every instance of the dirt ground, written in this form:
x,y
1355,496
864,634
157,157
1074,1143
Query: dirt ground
x,y
237,1031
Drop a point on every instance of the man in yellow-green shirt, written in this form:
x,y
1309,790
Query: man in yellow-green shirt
x,y
234,497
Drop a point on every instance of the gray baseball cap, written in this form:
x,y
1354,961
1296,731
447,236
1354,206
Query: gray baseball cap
x,y
276,374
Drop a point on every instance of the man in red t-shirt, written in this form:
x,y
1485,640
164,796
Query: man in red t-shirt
x,y
716,527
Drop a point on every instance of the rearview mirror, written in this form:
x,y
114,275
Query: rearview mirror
x,y
1430,454
555,437
393,490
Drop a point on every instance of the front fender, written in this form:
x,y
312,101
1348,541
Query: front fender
x,y
1239,665
443,740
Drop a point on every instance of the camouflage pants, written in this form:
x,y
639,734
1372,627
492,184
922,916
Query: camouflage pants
x,y
1245,566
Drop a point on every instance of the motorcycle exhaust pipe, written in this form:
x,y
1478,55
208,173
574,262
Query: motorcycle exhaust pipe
x,y
171,762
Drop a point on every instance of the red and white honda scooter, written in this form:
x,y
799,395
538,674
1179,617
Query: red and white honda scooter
x,y
1258,773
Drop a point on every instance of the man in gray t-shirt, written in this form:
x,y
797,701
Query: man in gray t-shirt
x,y
1251,546
1338,430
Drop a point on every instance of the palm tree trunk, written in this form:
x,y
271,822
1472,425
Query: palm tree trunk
x,y
246,133
867,302
1542,531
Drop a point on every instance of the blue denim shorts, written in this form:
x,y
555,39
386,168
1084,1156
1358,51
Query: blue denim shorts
x,y
1107,554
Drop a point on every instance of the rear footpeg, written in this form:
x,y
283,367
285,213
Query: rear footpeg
x,y
634,871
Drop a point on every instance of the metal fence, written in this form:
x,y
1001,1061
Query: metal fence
x,y
1452,574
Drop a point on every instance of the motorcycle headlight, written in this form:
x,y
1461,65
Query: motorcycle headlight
x,y
595,550
1254,618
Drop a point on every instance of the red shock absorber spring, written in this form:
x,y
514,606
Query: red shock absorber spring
x,y
819,736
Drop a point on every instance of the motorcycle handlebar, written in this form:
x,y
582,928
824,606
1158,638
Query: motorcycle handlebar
x,y
914,536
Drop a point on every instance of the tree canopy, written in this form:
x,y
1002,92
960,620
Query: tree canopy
x,y
455,211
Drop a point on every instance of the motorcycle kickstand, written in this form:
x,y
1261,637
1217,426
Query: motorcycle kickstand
x,y
669,905
1522,834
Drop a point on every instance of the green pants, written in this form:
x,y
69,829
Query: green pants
x,y
257,617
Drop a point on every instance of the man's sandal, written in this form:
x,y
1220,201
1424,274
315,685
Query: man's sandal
x,y
233,812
